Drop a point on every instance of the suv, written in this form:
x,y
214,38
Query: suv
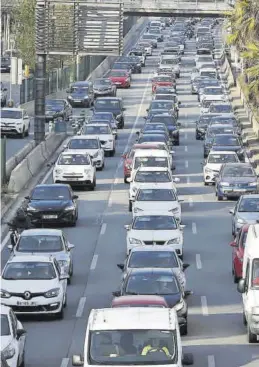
x,y
111,104
81,94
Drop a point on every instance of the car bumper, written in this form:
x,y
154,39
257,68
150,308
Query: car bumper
x,y
83,102
122,84
38,305
98,162
177,247
236,192
104,93
53,217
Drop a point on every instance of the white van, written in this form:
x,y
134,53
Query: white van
x,y
127,336
151,158
248,286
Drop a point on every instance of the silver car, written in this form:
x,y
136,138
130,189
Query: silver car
x,y
50,242
155,257
246,211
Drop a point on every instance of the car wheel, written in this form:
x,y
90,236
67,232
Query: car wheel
x,y
130,206
125,180
27,131
102,166
206,183
177,143
22,364
252,338
60,314
22,135
112,152
220,197
184,329
244,319
233,230
235,277
93,185
65,303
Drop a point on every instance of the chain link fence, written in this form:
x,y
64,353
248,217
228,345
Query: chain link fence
x,y
59,79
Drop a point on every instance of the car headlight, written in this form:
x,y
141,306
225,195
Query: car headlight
x,y
179,306
224,183
86,97
174,241
4,294
31,209
58,171
252,184
70,207
134,241
9,351
208,170
240,221
136,210
52,293
174,210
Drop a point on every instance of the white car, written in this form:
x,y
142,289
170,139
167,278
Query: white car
x,y
88,144
47,242
209,73
13,337
104,133
144,176
158,200
211,92
14,121
151,158
34,284
147,46
76,169
214,162
172,62
202,59
207,101
155,229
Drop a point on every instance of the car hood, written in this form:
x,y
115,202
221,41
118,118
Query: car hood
x,y
230,148
105,137
91,152
72,169
239,180
107,109
50,204
118,78
32,286
172,299
10,121
250,217
58,255
159,206
161,185
149,235
5,341
214,166
79,93
102,87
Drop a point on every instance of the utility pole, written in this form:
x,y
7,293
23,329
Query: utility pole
x,y
40,73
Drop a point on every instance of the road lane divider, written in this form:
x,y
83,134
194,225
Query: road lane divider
x,y
103,229
204,306
198,262
194,228
64,362
94,262
190,201
81,306
211,361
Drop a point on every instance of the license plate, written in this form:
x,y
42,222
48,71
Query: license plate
x,y
73,179
118,83
26,303
49,216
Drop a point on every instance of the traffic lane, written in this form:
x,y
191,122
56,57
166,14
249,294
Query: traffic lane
x,y
92,205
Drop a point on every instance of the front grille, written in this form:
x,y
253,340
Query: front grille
x,y
159,243
33,295
32,309
103,142
72,176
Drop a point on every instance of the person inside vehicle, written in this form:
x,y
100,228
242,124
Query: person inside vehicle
x,y
154,346
126,343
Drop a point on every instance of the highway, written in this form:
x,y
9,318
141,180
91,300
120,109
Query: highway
x,y
216,337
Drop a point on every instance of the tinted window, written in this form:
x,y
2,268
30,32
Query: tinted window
x,y
102,82
216,91
149,137
83,144
149,284
97,130
222,158
220,108
208,73
255,273
156,195
167,120
29,271
249,205
154,222
169,61
118,73
11,114
162,78
153,259
40,243
52,192
150,162
5,327
80,89
73,160
156,105
152,177
226,140
238,171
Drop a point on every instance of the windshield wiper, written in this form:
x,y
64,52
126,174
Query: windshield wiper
x,y
132,293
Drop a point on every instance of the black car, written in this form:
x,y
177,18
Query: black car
x,y
5,64
229,142
52,204
157,281
171,124
155,138
57,108
111,104
103,87
140,53
81,94
122,66
134,62
229,120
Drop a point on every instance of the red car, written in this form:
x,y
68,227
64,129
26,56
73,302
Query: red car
x,y
120,78
128,157
139,301
162,80
238,252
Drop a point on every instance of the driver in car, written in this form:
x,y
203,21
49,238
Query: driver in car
x,y
155,346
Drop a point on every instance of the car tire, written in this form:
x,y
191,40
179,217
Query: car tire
x,y
93,185
125,180
130,206
27,131
177,143
102,167
184,329
206,183
220,197
22,135
252,338
60,314
244,319
112,152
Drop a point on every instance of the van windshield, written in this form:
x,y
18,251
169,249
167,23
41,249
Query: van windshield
x,y
121,347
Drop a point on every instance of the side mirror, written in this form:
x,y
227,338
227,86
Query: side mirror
x,y
71,246
116,294
20,332
77,360
182,226
179,102
10,247
120,266
27,197
231,211
176,179
127,227
63,276
185,266
75,197
137,133
241,287
187,293
128,179
124,109
233,244
65,146
187,359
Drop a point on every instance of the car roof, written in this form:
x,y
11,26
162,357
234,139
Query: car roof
x,y
153,169
41,232
51,185
74,151
147,146
101,113
110,98
238,164
151,152
153,271
219,125
152,248
31,258
84,137
208,69
219,152
139,299
253,196
81,83
151,213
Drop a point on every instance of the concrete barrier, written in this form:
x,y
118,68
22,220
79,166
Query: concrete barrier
x,y
31,165
18,157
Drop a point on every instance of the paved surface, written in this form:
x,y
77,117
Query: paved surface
x,y
217,336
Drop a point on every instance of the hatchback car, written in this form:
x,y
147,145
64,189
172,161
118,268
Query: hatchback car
x,y
162,80
238,246
111,104
139,301
120,78
81,94
246,211
104,87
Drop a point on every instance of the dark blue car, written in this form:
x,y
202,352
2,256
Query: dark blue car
x,y
81,94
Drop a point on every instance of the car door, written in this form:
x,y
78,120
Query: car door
x,y
245,295
20,343
66,247
63,282
26,120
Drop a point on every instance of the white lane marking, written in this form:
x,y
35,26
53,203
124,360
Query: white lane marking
x,y
186,164
116,181
81,306
194,228
198,261
204,306
103,229
5,240
190,202
186,148
211,361
46,177
110,203
188,180
64,362
185,136
94,262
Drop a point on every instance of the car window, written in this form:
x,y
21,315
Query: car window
x,y
83,144
222,158
153,259
237,171
249,205
52,192
97,130
150,162
5,327
152,177
73,160
149,284
40,243
154,223
29,271
156,195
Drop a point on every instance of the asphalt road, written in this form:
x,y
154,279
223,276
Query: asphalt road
x,y
216,336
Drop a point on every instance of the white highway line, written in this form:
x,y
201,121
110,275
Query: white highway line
x,y
185,136
186,148
64,362
190,202
194,228
110,201
94,262
211,361
198,261
81,306
103,229
186,164
204,306
188,180
116,181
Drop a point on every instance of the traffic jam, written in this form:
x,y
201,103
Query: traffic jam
x,y
156,314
